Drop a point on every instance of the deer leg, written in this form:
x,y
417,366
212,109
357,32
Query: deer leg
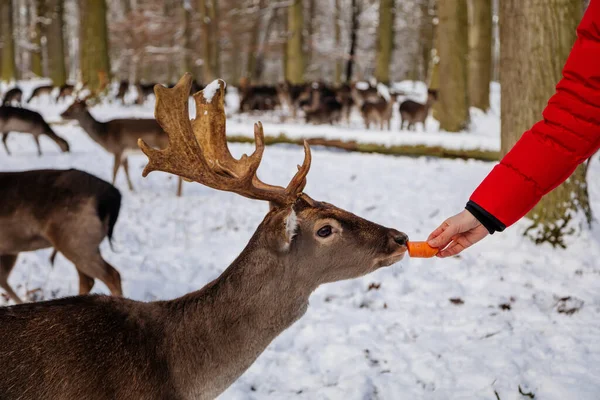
x,y
179,187
37,143
116,166
86,283
4,138
125,163
7,262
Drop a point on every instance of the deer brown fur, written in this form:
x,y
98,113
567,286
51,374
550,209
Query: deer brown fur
x,y
14,95
40,91
195,346
118,136
412,112
17,119
379,112
69,210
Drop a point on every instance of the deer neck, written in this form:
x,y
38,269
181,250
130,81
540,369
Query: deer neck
x,y
95,129
226,325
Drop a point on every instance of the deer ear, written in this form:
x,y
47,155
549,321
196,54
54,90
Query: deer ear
x,y
291,226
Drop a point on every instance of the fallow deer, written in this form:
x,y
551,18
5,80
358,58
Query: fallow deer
x,y
118,136
17,119
41,91
412,112
65,91
122,91
69,210
14,95
195,346
379,112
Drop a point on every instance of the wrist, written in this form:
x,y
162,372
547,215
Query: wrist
x,y
491,223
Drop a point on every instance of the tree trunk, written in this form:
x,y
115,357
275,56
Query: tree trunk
x,y
215,39
9,69
35,38
453,48
55,42
208,73
295,52
526,89
480,52
426,41
95,64
253,46
312,13
385,41
186,62
338,40
354,26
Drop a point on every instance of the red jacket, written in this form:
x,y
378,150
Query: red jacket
x,y
569,133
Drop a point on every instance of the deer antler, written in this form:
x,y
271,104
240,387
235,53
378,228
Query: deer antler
x,y
198,149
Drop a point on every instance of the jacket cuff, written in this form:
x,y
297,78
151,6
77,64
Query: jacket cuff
x,y
491,223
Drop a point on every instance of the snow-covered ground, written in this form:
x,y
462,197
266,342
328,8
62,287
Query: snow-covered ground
x,y
394,334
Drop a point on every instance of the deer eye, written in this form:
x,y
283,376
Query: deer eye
x,y
325,231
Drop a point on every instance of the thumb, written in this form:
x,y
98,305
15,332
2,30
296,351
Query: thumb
x,y
443,235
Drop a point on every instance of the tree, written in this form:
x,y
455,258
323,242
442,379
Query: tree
x,y
35,38
93,44
480,52
534,34
9,69
295,52
55,42
385,42
426,38
338,41
453,107
354,27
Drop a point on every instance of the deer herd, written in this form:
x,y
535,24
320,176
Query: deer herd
x,y
197,345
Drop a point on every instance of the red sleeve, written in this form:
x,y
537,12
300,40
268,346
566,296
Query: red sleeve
x,y
569,133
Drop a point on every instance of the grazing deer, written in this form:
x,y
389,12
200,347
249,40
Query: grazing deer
x,y
118,136
412,112
14,95
16,119
195,346
40,91
123,89
69,210
379,112
65,91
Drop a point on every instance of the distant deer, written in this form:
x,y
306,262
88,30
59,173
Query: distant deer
x,y
122,91
40,91
195,346
412,112
16,119
325,107
14,95
65,91
118,136
379,112
69,210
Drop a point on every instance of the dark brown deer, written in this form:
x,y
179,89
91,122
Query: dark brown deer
x,y
65,91
412,112
14,95
41,91
69,210
195,346
118,136
379,112
17,119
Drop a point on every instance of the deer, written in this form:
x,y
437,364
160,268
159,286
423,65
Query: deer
x,y
17,119
379,111
412,112
70,210
118,136
197,345
40,91
65,91
14,95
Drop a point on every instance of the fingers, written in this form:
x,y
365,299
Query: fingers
x,y
443,235
453,249
463,241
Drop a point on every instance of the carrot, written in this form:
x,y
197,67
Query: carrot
x,y
421,250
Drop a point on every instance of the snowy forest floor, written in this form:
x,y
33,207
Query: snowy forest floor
x,y
503,317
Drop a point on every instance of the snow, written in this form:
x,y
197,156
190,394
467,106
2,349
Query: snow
x,y
383,91
402,339
210,90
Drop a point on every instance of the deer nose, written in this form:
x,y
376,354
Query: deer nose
x,y
399,237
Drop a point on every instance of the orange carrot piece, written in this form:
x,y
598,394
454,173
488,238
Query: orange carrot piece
x,y
421,250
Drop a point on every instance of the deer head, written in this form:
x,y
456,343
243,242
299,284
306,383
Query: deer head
x,y
322,242
79,107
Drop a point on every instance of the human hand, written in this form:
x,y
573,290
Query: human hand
x,y
456,234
